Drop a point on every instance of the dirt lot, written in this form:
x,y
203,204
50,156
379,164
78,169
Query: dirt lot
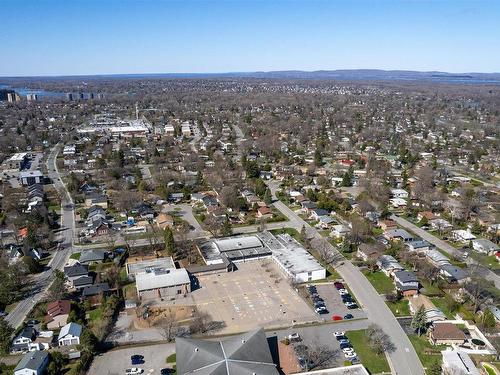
x,y
256,295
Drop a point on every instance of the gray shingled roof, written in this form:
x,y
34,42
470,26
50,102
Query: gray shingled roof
x,y
32,360
245,354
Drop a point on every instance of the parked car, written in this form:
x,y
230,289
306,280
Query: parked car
x,y
345,345
348,316
348,350
294,337
344,341
339,334
137,359
134,371
338,285
336,317
321,310
350,355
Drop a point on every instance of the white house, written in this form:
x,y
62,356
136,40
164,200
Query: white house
x,y
339,231
399,193
482,245
70,334
398,202
462,235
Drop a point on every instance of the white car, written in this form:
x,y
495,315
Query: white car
x,y
338,334
350,355
348,350
294,337
134,371
343,292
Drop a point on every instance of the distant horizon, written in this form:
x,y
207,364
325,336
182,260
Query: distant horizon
x,y
248,72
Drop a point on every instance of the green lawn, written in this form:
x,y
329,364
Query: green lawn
x,y
372,361
75,256
382,283
427,352
442,304
430,290
487,261
400,308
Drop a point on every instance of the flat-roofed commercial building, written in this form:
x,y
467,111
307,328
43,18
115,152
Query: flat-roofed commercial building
x,y
17,161
162,283
140,265
291,257
236,249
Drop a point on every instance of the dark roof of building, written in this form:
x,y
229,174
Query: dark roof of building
x,y
95,289
32,360
245,354
405,276
92,255
76,270
84,280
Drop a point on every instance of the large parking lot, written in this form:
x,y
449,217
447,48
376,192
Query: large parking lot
x,y
115,362
256,295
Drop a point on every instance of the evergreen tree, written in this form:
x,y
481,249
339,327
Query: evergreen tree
x,y
168,236
419,321
268,199
227,228
5,332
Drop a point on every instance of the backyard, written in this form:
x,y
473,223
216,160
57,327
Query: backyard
x,y
427,352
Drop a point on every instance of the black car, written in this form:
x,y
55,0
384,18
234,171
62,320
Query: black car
x,y
341,338
32,322
353,306
348,316
166,371
344,346
137,359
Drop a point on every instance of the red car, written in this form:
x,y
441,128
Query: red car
x,y
336,317
339,286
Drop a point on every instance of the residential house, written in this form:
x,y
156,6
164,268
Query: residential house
x,y
461,235
32,363
406,282
92,256
340,231
96,199
164,220
420,246
57,314
398,202
386,225
318,212
75,271
440,225
446,334
428,215
144,211
95,293
453,273
159,283
70,334
369,251
175,197
307,206
399,193
324,222
484,246
437,259
398,235
95,213
264,212
23,340
389,265
82,282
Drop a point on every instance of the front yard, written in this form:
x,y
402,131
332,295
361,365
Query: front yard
x,y
382,283
399,308
374,362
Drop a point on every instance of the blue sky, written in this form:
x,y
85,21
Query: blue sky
x,y
49,37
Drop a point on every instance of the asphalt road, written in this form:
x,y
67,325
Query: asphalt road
x,y
43,280
404,359
446,247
